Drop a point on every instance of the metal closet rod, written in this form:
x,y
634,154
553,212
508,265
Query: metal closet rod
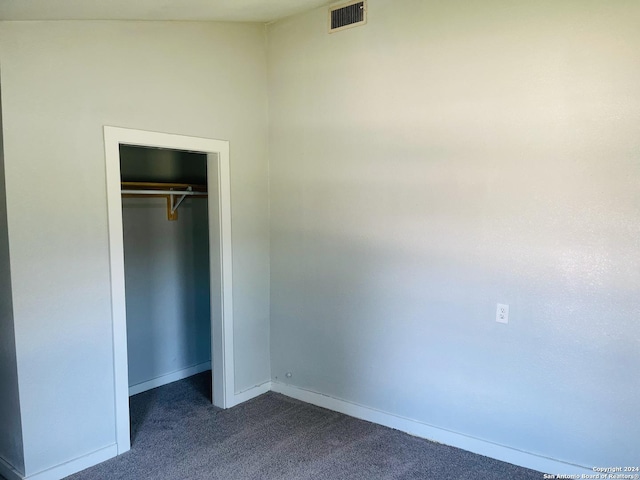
x,y
162,192
169,193
181,193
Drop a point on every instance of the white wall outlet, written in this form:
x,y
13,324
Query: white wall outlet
x,y
502,313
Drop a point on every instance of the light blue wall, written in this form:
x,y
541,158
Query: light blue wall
x,y
139,164
443,158
167,287
10,421
61,83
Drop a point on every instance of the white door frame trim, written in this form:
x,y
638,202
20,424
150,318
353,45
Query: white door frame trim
x,y
222,320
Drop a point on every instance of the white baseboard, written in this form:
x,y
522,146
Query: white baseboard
x,y
412,427
74,466
8,472
252,392
423,430
169,378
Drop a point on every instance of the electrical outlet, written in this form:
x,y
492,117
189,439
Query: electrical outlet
x,y
502,313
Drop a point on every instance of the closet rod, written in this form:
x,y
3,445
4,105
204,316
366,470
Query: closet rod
x,y
170,195
162,192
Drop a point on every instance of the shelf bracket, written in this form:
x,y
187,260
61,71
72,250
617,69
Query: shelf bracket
x,y
172,208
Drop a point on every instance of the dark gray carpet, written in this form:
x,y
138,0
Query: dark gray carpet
x,y
178,434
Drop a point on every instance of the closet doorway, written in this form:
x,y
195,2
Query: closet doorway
x,y
215,153
166,265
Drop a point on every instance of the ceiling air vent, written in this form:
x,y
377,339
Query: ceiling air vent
x,y
347,16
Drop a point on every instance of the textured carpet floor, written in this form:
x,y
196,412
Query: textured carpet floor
x,y
178,434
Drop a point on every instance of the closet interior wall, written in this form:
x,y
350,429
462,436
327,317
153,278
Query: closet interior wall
x,y
166,271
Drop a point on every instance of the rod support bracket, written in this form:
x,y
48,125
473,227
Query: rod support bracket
x,y
172,208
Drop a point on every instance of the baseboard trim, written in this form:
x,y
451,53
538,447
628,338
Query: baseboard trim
x,y
69,468
410,426
8,471
250,393
169,378
423,430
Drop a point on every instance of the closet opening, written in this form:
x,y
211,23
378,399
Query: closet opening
x,y
169,212
166,264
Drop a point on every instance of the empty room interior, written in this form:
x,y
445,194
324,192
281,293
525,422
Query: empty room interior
x,y
420,214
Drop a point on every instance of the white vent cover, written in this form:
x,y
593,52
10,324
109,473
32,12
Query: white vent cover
x,y
347,15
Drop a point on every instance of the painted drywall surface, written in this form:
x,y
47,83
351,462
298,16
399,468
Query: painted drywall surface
x,y
139,164
443,158
167,287
10,425
62,81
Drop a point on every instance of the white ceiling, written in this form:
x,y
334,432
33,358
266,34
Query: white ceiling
x,y
218,10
